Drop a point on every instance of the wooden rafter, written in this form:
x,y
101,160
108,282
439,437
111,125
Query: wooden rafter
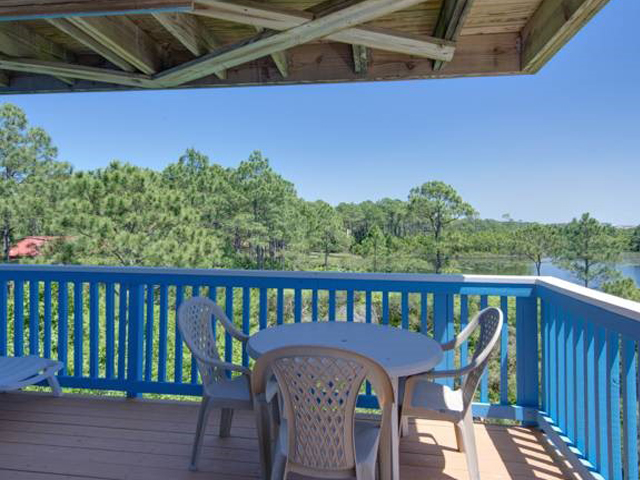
x,y
453,13
264,45
551,26
16,40
275,18
320,62
190,32
124,38
87,40
29,10
61,69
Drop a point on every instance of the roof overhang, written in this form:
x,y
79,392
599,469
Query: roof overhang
x,y
98,45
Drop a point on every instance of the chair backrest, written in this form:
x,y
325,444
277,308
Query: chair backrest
x,y
490,321
320,387
196,317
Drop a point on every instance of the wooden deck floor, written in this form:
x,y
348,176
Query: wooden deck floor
x,y
74,438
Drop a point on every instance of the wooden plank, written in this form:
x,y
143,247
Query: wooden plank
x,y
124,38
267,43
553,24
16,40
189,31
360,59
277,18
58,69
453,14
78,34
29,10
321,62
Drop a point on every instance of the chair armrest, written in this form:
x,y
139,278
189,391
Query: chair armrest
x,y
229,327
232,367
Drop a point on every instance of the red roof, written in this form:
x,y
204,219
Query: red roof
x,y
29,247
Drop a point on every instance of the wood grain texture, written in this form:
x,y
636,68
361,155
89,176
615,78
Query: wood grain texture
x,y
553,24
260,15
80,437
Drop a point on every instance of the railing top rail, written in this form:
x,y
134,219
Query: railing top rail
x,y
626,308
213,273
620,306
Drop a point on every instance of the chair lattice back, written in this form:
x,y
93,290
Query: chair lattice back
x,y
320,387
196,318
490,321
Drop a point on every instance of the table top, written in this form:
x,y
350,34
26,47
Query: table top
x,y
400,352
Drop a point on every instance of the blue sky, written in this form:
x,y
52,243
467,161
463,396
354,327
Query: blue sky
x,y
546,147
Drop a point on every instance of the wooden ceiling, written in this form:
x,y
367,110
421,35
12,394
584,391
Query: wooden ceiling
x,y
101,45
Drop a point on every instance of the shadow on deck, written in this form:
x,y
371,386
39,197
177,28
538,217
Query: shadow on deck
x,y
76,438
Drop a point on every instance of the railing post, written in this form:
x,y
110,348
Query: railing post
x,y
135,344
527,352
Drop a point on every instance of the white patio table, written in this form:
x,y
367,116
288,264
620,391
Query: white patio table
x,y
400,352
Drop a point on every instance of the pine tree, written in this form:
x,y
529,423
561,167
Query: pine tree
x,y
29,177
589,249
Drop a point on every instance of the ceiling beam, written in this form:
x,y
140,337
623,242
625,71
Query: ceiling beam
x,y
88,41
453,14
552,25
189,31
280,59
17,40
45,9
193,35
274,18
124,38
319,63
264,45
60,69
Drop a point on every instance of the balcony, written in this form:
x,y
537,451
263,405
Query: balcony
x,y
563,385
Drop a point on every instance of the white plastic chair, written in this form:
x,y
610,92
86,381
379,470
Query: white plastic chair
x,y
195,322
20,372
424,398
319,435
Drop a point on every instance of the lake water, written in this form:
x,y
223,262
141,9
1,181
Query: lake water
x,y
629,267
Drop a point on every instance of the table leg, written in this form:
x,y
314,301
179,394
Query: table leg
x,y
390,446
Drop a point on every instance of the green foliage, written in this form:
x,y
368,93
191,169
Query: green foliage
x,y
29,177
325,230
635,240
622,287
536,242
588,249
435,206
125,215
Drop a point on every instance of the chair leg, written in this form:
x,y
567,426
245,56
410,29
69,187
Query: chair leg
x,y
465,427
279,469
55,385
226,419
404,426
203,416
459,436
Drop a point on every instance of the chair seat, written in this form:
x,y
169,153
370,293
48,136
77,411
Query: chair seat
x,y
433,396
17,372
366,438
233,393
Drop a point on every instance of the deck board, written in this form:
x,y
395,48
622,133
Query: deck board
x,y
45,438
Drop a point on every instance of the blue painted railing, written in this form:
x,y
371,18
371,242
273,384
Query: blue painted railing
x,y
575,370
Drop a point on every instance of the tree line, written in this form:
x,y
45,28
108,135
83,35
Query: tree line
x,y
196,213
